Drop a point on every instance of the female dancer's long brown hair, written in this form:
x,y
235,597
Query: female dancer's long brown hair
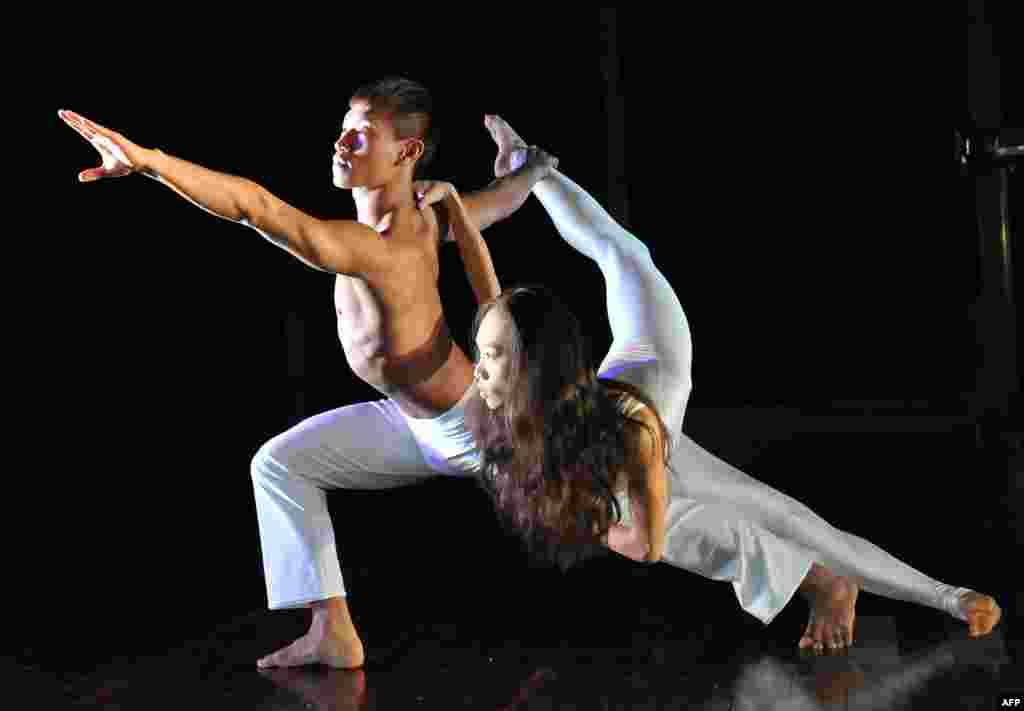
x,y
559,444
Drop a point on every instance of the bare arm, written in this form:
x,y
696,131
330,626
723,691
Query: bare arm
x,y
645,539
506,194
476,257
498,200
336,246
651,504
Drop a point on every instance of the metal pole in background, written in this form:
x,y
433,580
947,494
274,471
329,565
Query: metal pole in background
x,y
615,112
988,166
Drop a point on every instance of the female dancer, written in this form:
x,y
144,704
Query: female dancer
x,y
565,450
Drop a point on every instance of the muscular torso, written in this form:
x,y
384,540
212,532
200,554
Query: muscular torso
x,y
391,326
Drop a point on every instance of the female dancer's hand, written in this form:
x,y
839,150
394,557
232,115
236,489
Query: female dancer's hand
x,y
428,192
625,541
119,155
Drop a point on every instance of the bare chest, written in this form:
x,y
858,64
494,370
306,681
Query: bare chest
x,y
360,314
381,319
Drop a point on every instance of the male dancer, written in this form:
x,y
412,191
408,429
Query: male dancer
x,y
390,326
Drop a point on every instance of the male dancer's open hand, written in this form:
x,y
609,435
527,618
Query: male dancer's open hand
x,y
120,156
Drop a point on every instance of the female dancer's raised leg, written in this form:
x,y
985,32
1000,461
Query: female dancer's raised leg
x,y
763,538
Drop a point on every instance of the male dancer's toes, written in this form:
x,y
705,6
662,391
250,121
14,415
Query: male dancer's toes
x,y
833,599
982,613
317,648
512,149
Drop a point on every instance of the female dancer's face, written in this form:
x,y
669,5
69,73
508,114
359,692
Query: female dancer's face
x,y
493,342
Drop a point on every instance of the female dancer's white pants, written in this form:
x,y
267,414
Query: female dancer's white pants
x,y
721,524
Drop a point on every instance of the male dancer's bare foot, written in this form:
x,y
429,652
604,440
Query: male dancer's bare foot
x,y
513,152
982,613
832,599
331,640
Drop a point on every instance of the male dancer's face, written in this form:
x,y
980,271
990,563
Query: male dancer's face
x,y
367,154
493,342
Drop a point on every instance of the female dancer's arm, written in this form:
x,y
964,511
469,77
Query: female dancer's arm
x,y
648,507
649,502
476,257
627,541
648,499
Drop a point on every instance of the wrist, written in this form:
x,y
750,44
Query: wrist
x,y
452,203
514,189
529,177
148,158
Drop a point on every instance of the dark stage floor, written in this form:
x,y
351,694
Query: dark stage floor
x,y
454,617
458,665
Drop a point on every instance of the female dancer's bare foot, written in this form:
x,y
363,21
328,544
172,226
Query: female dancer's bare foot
x,y
833,599
331,640
982,613
513,151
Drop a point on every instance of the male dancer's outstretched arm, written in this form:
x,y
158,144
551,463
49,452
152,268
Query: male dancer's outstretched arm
x,y
336,246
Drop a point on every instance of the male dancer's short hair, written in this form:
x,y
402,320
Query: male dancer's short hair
x,y
412,112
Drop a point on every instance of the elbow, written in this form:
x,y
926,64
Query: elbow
x,y
253,203
492,292
316,256
285,227
655,543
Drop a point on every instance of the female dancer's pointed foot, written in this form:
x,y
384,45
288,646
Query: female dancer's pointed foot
x,y
833,600
512,149
982,611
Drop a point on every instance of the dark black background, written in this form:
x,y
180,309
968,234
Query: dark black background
x,y
792,176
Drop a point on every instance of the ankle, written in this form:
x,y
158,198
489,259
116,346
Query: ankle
x,y
328,610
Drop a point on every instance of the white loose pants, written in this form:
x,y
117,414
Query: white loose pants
x,y
721,523
370,445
